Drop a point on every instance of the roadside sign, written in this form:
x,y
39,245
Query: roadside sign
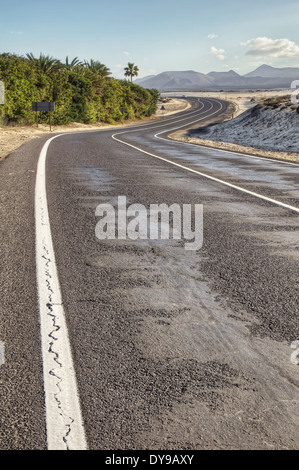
x,y
162,109
43,106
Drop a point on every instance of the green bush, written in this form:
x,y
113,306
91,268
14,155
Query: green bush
x,y
82,93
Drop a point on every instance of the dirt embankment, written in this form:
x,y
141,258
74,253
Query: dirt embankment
x,y
269,129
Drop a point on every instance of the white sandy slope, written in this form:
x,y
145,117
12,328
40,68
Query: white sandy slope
x,y
264,128
270,132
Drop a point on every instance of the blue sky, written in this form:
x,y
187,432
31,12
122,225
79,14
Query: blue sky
x,y
157,35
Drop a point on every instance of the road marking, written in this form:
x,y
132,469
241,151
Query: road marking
x,y
150,126
268,159
205,175
159,125
64,422
206,147
216,149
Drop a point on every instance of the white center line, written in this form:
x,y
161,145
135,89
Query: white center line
x,y
205,175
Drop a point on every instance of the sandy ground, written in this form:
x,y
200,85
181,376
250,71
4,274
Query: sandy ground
x,y
293,157
172,107
242,101
12,138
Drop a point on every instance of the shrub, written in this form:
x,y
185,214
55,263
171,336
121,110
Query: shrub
x,y
81,93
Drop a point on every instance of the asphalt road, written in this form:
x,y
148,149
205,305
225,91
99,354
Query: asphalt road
x,y
172,349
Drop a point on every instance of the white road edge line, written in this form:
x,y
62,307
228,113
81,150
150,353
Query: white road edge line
x,y
216,149
238,188
64,424
159,124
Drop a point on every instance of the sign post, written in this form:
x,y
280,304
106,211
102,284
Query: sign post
x,y
34,105
44,106
50,117
122,110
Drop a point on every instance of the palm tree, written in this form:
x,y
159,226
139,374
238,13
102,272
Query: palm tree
x,y
46,63
131,71
98,67
73,65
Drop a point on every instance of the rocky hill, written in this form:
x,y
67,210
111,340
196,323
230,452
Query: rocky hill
x,y
264,77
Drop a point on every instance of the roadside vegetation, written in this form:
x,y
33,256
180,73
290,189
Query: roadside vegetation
x,y
131,71
83,92
280,102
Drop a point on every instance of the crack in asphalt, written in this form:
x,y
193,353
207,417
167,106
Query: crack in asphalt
x,y
51,350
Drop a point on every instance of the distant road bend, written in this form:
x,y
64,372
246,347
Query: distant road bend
x,y
140,344
207,109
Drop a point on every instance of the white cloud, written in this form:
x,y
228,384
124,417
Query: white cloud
x,y
18,33
266,47
219,53
212,36
126,53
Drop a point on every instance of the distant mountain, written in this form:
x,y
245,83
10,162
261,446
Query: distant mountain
x,y
230,78
266,71
176,80
264,77
139,81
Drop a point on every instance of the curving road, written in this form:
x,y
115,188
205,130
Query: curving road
x,y
141,344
